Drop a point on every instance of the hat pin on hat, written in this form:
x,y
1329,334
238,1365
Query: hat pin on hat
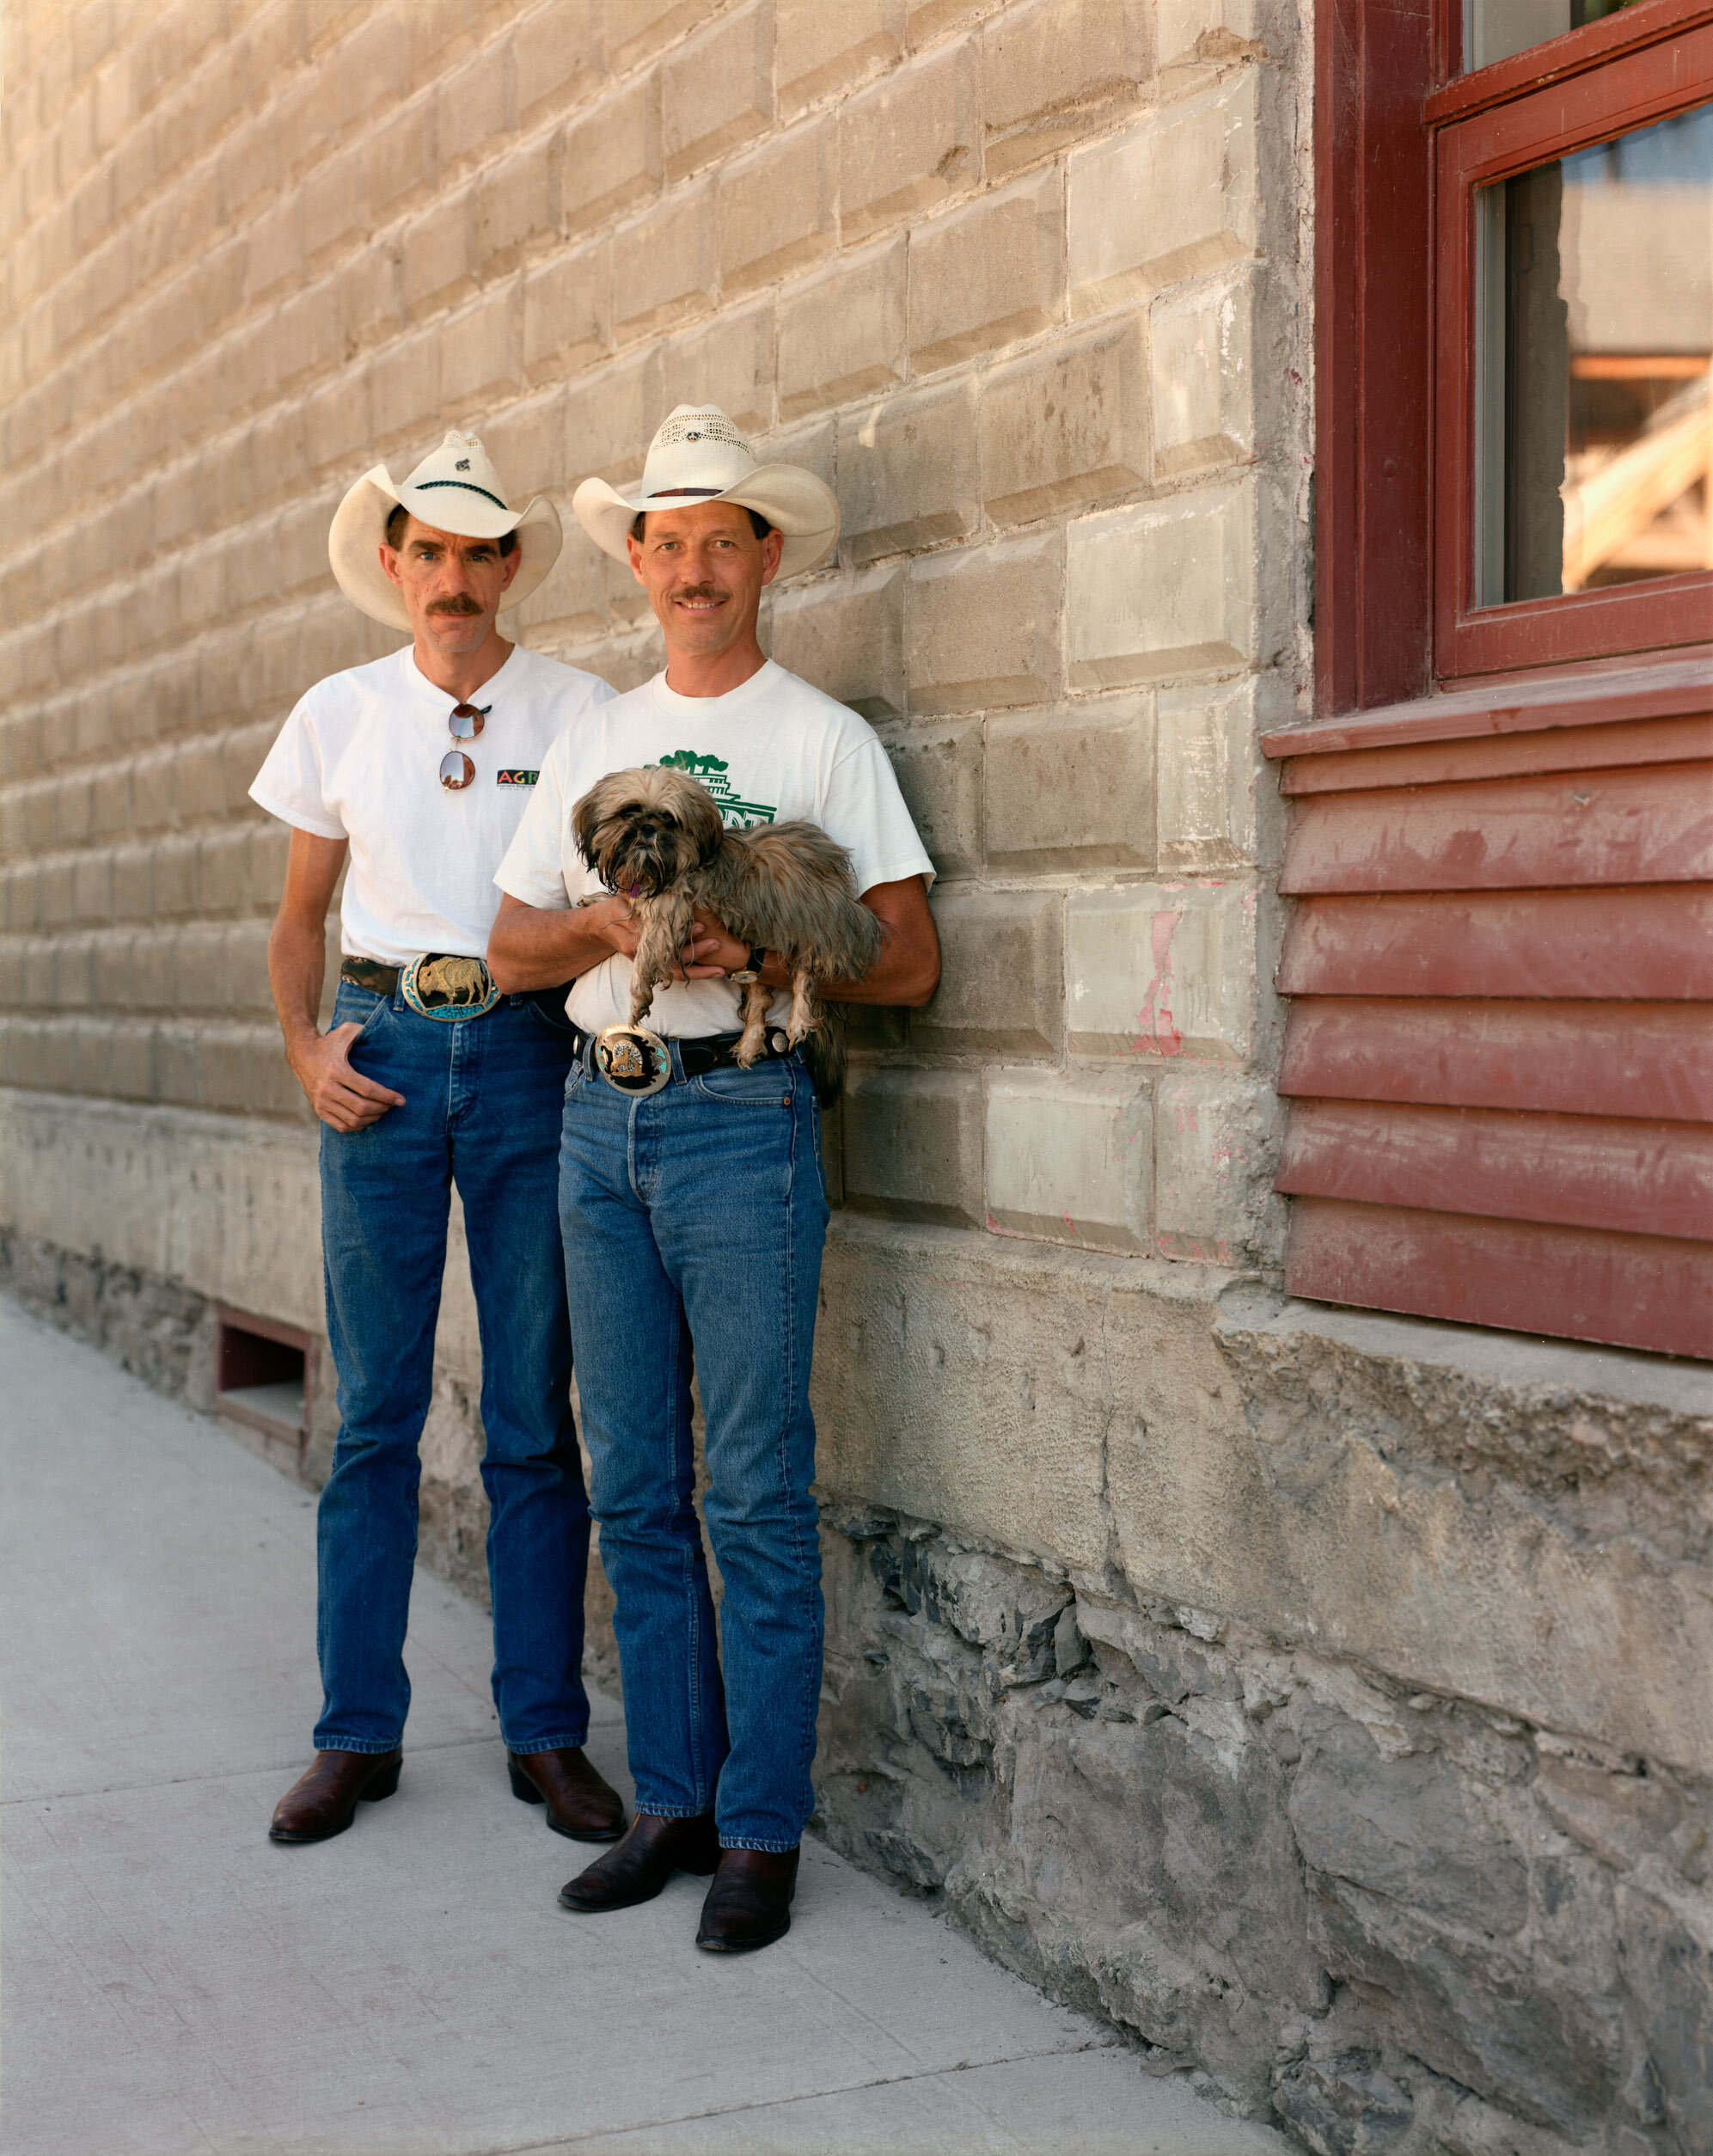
x,y
698,453
455,488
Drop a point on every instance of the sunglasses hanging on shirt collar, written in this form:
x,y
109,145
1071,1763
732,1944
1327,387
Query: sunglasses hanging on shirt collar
x,y
456,770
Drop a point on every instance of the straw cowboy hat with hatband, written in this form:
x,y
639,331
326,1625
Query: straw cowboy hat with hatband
x,y
454,489
699,456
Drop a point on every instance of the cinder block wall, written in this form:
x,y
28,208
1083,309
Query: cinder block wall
x,y
1321,1699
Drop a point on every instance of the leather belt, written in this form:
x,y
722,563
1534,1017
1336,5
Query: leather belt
x,y
385,980
370,974
714,1051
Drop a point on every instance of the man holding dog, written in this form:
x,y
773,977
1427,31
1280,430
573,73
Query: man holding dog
x,y
690,1190
418,768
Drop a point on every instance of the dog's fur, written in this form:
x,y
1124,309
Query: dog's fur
x,y
656,837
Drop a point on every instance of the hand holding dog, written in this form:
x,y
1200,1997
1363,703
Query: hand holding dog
x,y
614,919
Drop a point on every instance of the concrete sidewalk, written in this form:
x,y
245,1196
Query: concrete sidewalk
x,y
172,1983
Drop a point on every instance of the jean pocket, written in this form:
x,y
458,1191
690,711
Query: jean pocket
x,y
359,1005
764,1085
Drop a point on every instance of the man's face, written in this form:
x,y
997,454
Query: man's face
x,y
452,585
704,569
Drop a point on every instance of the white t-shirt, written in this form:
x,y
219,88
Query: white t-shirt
x,y
359,759
770,750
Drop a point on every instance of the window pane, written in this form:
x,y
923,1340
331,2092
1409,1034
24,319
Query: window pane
x,y
1594,331
1493,29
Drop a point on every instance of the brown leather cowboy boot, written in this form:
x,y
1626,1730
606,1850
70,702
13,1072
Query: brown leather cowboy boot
x,y
643,1862
579,1803
324,1802
748,1905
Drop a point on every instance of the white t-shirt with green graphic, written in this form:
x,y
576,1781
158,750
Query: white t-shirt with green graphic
x,y
771,749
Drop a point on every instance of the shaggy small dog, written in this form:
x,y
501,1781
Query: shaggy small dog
x,y
656,837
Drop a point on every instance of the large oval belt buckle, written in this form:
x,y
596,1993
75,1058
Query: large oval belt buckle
x,y
633,1060
448,988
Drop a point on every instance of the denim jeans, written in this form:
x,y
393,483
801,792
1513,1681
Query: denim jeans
x,y
481,1108
693,1221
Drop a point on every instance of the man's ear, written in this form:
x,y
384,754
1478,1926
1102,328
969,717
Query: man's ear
x,y
390,563
509,564
772,547
633,548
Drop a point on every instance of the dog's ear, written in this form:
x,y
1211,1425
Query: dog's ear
x,y
585,818
703,823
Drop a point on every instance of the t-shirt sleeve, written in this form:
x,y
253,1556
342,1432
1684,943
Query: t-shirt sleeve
x,y
865,813
533,869
289,784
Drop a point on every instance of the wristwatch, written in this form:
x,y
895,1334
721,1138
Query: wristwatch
x,y
751,968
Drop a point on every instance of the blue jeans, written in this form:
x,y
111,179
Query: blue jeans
x,y
693,1221
482,1107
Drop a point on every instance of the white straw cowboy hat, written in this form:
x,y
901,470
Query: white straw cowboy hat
x,y
454,489
699,454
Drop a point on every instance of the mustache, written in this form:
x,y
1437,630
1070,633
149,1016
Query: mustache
x,y
698,591
459,605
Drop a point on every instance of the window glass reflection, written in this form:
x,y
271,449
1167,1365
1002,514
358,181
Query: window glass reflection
x,y
1594,331
1493,29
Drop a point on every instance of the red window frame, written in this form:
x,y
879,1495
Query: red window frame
x,y
1393,529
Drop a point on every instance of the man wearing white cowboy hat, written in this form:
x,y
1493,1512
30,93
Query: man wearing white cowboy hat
x,y
418,767
692,1202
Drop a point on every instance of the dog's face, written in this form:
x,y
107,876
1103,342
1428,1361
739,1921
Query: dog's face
x,y
641,831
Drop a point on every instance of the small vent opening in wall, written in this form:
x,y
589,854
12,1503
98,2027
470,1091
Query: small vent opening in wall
x,y
263,1375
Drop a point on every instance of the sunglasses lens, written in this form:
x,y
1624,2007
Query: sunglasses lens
x,y
466,722
455,770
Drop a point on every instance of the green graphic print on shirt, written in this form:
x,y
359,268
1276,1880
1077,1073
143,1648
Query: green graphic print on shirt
x,y
737,815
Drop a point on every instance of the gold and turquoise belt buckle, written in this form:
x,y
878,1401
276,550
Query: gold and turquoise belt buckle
x,y
632,1061
448,988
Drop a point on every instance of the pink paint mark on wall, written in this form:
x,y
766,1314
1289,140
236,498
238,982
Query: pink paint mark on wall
x,y
1158,1035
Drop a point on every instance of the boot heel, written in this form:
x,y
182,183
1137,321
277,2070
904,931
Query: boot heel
x,y
523,1787
382,1785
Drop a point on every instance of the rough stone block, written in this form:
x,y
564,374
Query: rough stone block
x,y
568,313
776,208
636,29
527,443
909,473
518,209
335,207
1205,388
1067,428
842,334
913,1145
939,775
987,274
439,250
913,140
818,49
1215,1154
729,363
482,354
1162,588
1070,1160
664,264
717,91
1197,40
1071,790
612,156
846,636
556,57
404,389
1219,804
1058,71
1162,969
1001,989
471,110
1178,198
609,421
982,627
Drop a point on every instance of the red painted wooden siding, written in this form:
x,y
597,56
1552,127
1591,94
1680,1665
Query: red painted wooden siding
x,y
1500,1045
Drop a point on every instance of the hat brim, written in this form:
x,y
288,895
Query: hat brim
x,y
359,531
803,508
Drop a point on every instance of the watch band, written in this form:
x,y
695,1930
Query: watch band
x,y
751,968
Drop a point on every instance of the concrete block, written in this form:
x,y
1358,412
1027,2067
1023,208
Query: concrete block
x,y
275,250
1205,389
1162,969
517,206
527,443
777,213
729,363
612,156
983,626
717,90
471,110
439,253
335,207
556,57
910,142
1070,1160
1219,804
909,472
637,29
481,355
1162,588
1197,40
1215,1154
818,49
337,428
847,635
913,1145
568,313
609,421
1178,198
664,264
1001,989
1071,790
939,775
404,389
842,334
987,274
1058,71
1067,428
